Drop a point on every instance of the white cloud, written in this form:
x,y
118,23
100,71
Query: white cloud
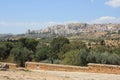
x,y
113,3
106,19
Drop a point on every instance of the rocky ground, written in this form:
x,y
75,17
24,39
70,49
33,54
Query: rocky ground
x,y
54,75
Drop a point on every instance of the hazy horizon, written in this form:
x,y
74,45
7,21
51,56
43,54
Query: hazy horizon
x,y
17,17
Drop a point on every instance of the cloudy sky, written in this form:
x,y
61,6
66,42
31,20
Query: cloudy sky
x,y
17,16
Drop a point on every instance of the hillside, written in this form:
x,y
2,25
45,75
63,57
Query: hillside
x,y
76,29
71,30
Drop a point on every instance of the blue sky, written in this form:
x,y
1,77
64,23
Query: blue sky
x,y
17,16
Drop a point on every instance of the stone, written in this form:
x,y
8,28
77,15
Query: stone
x,y
3,67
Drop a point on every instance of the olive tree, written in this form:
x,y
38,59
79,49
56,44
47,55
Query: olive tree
x,y
21,55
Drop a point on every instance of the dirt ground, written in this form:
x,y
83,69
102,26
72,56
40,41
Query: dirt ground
x,y
54,75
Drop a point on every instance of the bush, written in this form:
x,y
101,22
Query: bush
x,y
74,45
114,59
2,52
41,54
103,59
71,58
76,57
92,56
83,54
55,47
83,57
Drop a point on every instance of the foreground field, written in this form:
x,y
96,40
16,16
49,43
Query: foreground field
x,y
55,75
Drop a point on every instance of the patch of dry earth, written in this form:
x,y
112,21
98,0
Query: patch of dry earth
x,y
55,75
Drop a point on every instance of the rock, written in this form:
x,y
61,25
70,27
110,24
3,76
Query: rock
x,y
3,67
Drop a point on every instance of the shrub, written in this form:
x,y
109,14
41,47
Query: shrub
x,y
83,54
41,54
76,57
104,58
92,56
71,58
114,59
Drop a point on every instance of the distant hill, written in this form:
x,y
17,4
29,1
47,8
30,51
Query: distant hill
x,y
73,29
5,37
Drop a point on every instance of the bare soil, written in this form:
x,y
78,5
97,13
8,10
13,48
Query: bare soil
x,y
54,75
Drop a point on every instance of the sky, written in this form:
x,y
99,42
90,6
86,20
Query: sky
x,y
17,16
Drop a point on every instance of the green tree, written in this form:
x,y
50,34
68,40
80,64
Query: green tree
x,y
102,42
99,49
83,54
55,46
92,56
117,50
71,58
76,57
113,59
9,46
2,52
103,58
29,43
21,55
72,46
118,31
41,54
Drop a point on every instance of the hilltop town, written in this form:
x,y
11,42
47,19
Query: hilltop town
x,y
76,28
71,30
